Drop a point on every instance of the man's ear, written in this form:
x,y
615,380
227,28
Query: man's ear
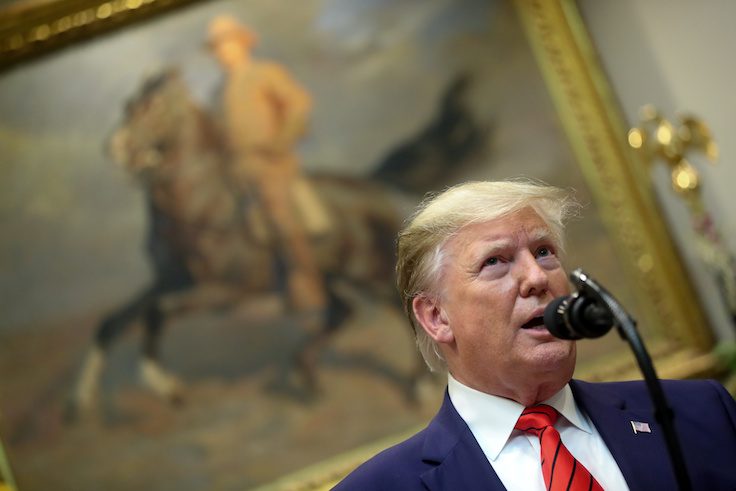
x,y
432,318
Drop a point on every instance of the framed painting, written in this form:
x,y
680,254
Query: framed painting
x,y
151,333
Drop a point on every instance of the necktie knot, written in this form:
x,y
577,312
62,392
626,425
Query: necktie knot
x,y
534,419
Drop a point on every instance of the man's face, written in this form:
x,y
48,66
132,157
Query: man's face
x,y
230,51
497,278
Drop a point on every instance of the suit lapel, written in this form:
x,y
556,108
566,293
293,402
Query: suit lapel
x,y
460,462
642,457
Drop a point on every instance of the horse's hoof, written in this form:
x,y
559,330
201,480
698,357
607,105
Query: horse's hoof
x,y
162,383
84,399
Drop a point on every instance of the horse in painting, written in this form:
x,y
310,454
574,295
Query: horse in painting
x,y
206,241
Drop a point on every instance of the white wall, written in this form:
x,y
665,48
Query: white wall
x,y
679,56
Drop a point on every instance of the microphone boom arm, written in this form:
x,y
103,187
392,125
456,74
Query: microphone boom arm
x,y
626,327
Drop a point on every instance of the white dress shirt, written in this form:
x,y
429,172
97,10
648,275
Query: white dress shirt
x,y
515,455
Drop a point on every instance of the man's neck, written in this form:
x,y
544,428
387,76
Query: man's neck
x,y
534,393
525,392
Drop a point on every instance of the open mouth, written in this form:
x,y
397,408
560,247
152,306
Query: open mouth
x,y
534,323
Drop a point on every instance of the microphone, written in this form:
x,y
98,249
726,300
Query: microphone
x,y
590,313
577,316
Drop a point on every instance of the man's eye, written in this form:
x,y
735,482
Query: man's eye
x,y
491,261
544,252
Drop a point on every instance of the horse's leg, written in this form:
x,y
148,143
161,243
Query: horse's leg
x,y
86,390
85,393
152,373
320,328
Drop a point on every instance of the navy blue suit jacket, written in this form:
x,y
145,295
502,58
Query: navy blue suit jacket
x,y
445,455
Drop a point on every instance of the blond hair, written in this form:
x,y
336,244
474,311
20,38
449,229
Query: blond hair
x,y
439,217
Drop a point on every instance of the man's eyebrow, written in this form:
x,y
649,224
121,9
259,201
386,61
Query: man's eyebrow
x,y
497,244
492,245
539,234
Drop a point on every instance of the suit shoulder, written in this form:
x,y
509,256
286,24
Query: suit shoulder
x,y
396,468
688,393
639,386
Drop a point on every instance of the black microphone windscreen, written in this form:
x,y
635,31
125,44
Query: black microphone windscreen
x,y
554,319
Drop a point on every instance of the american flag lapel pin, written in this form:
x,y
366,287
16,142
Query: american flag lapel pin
x,y
640,427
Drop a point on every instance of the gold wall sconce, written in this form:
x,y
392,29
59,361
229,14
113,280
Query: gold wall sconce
x,y
658,138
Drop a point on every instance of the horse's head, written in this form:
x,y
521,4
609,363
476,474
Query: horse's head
x,y
152,125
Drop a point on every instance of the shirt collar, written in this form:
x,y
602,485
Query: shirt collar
x,y
492,418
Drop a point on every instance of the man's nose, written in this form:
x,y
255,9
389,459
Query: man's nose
x,y
533,279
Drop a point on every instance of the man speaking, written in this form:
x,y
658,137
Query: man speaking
x,y
477,265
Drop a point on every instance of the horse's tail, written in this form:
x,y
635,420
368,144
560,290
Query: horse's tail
x,y
430,158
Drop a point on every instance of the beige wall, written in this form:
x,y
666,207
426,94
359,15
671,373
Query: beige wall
x,y
678,55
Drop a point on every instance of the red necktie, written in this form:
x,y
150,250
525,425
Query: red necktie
x,y
561,471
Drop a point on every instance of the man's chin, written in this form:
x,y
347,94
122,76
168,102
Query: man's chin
x,y
557,354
